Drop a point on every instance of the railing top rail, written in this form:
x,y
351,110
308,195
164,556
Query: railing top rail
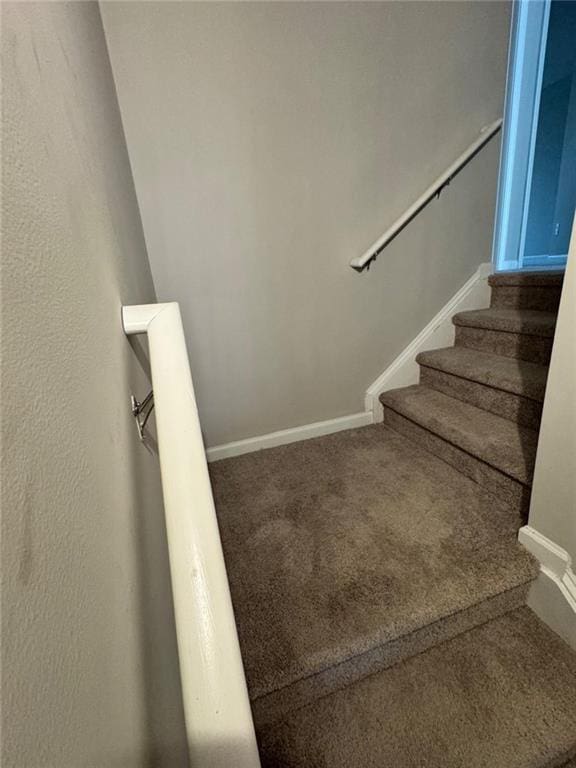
x,y
360,263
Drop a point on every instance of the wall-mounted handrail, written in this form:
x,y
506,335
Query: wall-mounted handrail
x,y
361,262
219,723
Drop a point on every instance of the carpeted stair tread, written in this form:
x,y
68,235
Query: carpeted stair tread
x,y
501,443
502,695
552,279
505,373
522,321
338,545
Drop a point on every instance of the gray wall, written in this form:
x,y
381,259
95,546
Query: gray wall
x,y
89,674
272,142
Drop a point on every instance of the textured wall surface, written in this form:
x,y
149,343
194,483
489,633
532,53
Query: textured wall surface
x,y
88,651
271,143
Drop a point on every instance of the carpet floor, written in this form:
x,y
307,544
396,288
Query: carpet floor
x,y
502,695
340,545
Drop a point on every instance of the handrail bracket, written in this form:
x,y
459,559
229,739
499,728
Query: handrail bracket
x,y
141,412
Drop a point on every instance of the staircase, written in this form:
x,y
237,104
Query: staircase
x,y
377,581
478,404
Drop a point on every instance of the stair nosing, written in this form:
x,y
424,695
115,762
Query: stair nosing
x,y
383,642
267,708
426,360
486,320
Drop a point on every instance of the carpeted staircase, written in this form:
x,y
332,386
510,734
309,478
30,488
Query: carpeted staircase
x,y
377,580
478,404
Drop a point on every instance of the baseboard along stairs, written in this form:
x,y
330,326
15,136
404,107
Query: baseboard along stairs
x,y
378,583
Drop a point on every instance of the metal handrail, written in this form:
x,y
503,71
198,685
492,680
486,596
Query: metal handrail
x,y
219,726
362,262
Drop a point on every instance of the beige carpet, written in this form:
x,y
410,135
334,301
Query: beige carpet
x,y
500,696
351,551
377,580
478,404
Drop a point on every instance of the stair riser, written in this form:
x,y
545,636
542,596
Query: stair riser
x,y
273,706
504,487
516,408
541,298
534,349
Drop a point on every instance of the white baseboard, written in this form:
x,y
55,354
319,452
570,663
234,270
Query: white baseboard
x,y
286,436
553,595
404,370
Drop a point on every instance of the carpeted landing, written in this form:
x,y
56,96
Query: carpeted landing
x,y
350,552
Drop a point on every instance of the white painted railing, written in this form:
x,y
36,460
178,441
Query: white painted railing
x,y
360,262
219,723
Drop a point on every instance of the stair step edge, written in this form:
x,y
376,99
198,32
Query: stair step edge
x,y
270,706
517,463
523,322
481,368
